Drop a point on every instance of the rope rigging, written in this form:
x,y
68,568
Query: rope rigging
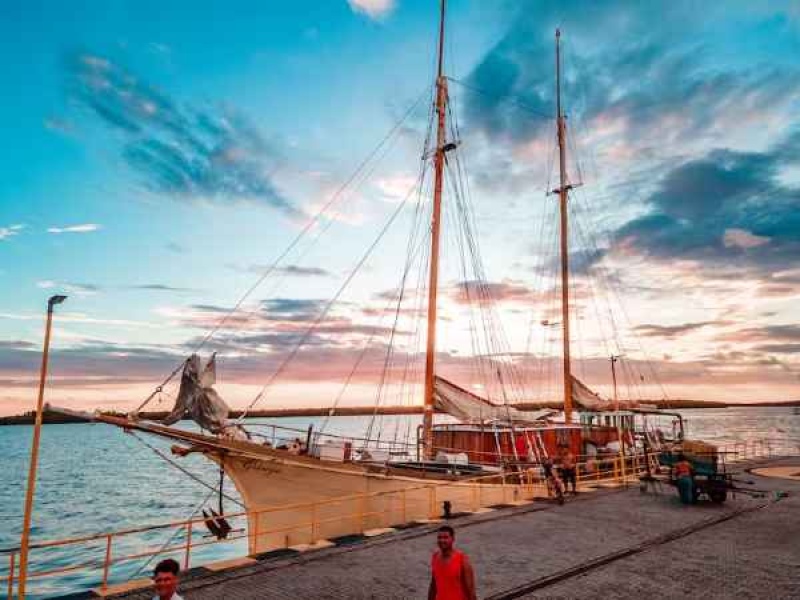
x,y
307,334
189,474
599,291
309,226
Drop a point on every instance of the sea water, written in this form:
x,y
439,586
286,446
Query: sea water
x,y
94,478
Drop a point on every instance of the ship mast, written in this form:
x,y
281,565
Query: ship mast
x,y
438,169
563,193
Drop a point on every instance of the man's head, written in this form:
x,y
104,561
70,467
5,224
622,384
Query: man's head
x,y
165,578
445,537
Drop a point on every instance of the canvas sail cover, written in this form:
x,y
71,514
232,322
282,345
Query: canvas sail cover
x,y
587,399
197,397
471,408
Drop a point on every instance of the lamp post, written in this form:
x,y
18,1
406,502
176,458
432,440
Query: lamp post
x,y
37,432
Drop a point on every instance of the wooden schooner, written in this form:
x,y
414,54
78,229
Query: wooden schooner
x,y
470,458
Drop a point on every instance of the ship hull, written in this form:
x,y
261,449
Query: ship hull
x,y
292,500
292,503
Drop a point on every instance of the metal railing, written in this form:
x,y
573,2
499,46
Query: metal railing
x,y
525,484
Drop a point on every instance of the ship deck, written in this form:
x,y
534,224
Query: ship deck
x,y
613,543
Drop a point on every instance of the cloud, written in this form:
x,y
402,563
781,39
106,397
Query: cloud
x,y
767,333
466,292
741,238
81,319
727,208
396,187
79,289
279,324
160,287
636,97
374,9
297,271
671,331
10,231
88,361
178,150
176,248
16,345
779,348
288,270
82,228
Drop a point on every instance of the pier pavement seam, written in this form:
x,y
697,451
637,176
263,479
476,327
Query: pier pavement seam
x,y
590,565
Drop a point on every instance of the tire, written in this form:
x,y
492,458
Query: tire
x,y
718,495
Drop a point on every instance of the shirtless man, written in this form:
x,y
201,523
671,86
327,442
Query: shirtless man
x,y
568,466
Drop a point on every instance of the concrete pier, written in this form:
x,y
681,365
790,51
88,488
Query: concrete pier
x,y
602,544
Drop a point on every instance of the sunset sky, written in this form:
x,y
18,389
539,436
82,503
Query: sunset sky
x,y
159,156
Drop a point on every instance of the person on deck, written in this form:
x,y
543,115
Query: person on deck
x,y
165,580
452,577
567,467
684,478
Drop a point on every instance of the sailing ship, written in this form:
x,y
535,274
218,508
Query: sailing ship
x,y
473,455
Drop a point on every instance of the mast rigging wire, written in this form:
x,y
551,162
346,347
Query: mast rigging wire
x,y
327,308
308,227
186,472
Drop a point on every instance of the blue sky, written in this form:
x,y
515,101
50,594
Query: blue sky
x,y
159,156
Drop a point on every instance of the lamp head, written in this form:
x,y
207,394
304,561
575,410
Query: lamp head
x,y
55,300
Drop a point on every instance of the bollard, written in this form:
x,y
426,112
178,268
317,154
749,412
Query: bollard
x,y
447,509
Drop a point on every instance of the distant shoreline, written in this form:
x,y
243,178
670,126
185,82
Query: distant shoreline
x,y
54,418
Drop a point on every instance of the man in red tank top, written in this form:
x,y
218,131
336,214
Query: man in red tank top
x,y
452,576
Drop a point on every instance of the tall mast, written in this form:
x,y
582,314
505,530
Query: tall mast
x,y
563,192
614,359
433,283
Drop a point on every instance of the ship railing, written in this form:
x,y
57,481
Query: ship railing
x,y
759,448
111,549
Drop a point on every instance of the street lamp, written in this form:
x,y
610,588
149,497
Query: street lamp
x,y
37,432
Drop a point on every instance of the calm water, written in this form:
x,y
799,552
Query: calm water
x,y
95,478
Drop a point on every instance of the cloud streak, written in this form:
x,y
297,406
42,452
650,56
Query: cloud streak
x,y
178,150
79,289
10,231
82,228
374,9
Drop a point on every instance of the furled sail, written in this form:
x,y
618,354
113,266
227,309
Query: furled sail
x,y
589,400
471,408
197,397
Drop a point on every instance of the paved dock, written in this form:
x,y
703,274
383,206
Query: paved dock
x,y
606,544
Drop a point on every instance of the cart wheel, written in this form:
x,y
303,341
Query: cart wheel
x,y
718,495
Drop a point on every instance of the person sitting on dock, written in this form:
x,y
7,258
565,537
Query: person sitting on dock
x,y
567,468
165,578
683,474
452,576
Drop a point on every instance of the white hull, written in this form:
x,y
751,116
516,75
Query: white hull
x,y
292,500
